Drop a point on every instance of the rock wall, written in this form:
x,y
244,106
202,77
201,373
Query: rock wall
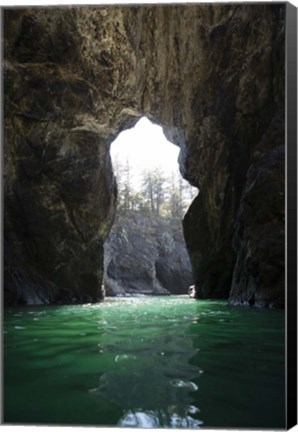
x,y
146,255
74,77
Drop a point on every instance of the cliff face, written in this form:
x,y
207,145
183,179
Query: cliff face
x,y
146,255
211,75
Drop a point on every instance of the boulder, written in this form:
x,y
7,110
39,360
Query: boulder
x,y
192,291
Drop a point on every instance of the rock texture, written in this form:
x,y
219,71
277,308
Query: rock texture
x,y
211,74
146,255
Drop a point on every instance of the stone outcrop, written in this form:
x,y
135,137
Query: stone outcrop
x,y
146,255
192,291
211,74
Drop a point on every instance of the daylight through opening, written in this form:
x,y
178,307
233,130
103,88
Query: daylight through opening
x,y
145,253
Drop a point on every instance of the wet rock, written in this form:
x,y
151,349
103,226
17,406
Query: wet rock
x,y
192,291
259,235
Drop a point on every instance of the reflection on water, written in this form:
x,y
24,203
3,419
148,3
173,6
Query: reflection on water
x,y
154,369
145,362
160,418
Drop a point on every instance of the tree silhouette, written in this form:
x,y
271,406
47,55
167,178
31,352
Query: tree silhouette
x,y
156,194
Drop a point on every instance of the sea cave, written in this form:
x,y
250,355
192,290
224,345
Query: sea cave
x,y
213,77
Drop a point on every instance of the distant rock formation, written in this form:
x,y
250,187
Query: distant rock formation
x,y
146,255
212,75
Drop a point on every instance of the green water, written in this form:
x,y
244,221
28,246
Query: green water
x,y
147,362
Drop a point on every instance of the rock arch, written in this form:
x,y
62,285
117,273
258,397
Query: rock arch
x,y
211,75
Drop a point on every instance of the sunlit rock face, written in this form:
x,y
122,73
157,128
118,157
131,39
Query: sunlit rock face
x,y
211,75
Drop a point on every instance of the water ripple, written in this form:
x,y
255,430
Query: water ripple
x,y
145,362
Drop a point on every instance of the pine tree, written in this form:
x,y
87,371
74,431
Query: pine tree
x,y
123,178
157,194
153,189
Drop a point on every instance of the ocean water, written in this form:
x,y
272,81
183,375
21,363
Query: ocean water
x,y
145,362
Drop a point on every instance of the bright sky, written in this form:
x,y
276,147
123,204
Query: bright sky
x,y
145,146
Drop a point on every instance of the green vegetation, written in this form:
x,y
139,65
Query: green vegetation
x,y
157,194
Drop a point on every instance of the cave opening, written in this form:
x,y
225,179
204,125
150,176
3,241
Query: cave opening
x,y
145,253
